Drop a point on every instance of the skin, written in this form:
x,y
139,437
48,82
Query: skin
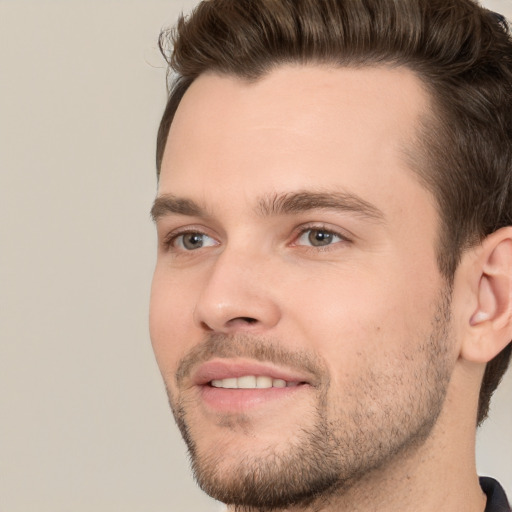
x,y
362,311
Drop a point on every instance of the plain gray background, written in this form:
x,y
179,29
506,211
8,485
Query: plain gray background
x,y
84,420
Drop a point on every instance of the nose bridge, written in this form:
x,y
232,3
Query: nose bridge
x,y
236,294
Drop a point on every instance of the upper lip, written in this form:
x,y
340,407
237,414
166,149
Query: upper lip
x,y
217,369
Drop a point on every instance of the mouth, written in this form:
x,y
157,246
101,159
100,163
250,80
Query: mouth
x,y
252,382
247,374
238,386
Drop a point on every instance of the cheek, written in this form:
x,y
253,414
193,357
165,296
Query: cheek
x,y
170,319
357,319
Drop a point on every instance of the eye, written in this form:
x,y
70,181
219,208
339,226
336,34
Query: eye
x,y
192,240
318,237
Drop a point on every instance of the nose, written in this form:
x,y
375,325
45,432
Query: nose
x,y
237,295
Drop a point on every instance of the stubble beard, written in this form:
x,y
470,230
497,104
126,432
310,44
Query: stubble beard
x,y
394,415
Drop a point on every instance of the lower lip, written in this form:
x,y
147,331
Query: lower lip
x,y
239,400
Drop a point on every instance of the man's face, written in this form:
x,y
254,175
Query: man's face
x,y
297,312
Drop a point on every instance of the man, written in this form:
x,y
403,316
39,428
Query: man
x,y
332,302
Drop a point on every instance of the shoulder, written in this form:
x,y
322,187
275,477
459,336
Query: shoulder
x,y
496,498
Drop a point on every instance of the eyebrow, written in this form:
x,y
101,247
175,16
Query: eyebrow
x,y
276,204
296,202
168,204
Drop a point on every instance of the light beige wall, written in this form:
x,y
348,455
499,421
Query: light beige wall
x,y
84,423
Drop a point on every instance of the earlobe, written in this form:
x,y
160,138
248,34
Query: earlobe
x,y
490,324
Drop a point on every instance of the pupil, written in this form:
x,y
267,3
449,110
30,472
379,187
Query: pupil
x,y
317,237
193,241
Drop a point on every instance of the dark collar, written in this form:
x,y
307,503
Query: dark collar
x,y
496,498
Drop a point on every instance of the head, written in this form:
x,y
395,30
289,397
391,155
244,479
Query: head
x,y
452,59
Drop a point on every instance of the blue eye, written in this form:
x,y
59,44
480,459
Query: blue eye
x,y
192,241
318,237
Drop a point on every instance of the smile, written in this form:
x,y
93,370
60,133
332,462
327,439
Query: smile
x,y
252,382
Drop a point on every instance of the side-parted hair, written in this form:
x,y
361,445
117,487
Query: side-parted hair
x,y
461,52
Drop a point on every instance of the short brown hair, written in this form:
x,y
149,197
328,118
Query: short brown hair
x,y
461,51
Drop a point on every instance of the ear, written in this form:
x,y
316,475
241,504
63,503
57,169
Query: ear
x,y
489,328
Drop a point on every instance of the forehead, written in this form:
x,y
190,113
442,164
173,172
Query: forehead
x,y
299,127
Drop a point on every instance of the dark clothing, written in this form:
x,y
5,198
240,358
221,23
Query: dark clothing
x,y
496,498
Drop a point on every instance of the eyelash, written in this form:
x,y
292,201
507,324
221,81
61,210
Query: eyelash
x,y
319,227
168,241
171,238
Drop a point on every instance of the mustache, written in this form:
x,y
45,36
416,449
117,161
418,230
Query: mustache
x,y
259,348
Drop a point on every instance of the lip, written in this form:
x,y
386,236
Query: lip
x,y
218,369
239,401
234,401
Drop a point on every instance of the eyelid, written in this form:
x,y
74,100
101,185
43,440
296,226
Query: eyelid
x,y
343,234
321,226
172,235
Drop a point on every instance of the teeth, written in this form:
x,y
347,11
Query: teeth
x,y
231,383
247,382
263,382
251,382
278,383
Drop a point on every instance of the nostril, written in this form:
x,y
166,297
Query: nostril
x,y
239,321
247,319
243,319
206,327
